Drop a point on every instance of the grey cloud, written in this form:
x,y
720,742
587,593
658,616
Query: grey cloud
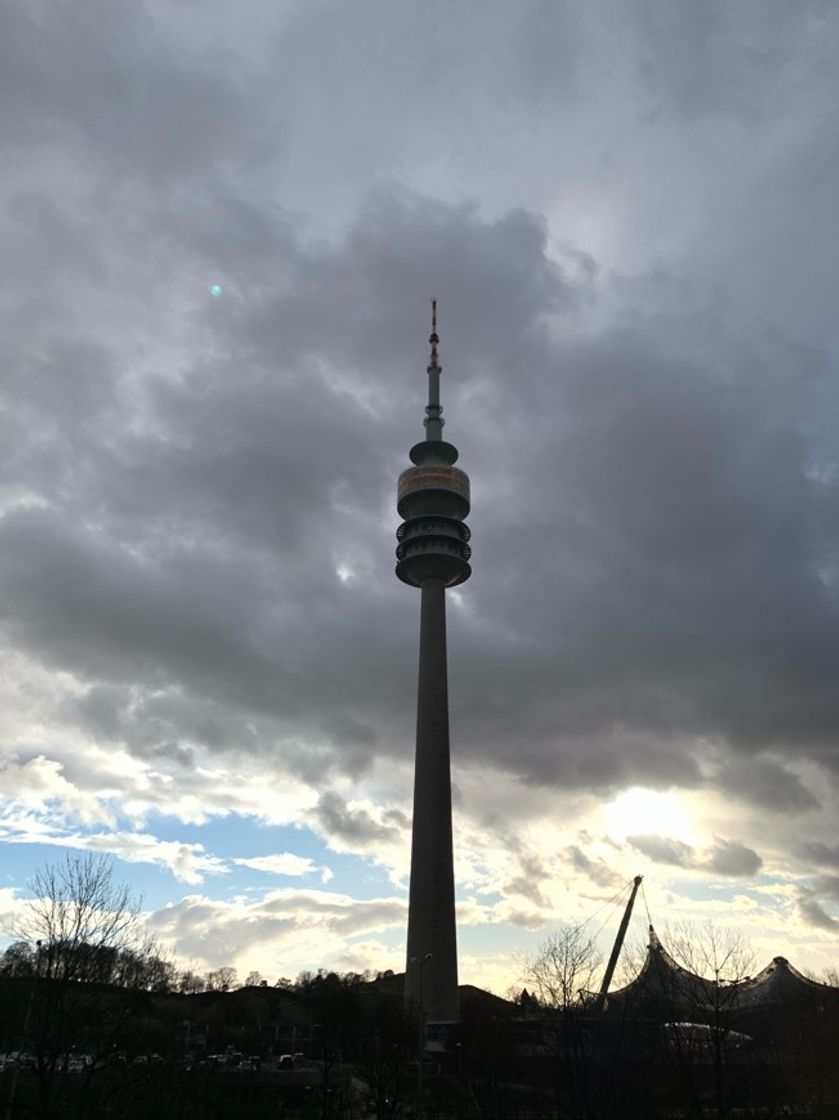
x,y
827,886
102,77
526,888
87,595
595,868
814,914
50,244
668,504
356,826
527,919
810,898
225,479
664,849
767,783
397,817
727,857
384,914
653,541
722,58
533,873
164,724
348,917
824,855
533,865
674,532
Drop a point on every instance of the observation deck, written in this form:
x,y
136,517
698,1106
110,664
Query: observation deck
x,y
433,497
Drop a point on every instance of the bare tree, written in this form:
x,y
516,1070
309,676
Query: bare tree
x,y
564,969
712,962
82,918
222,979
711,950
561,977
82,930
190,982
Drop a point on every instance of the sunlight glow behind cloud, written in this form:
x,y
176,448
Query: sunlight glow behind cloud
x,y
639,811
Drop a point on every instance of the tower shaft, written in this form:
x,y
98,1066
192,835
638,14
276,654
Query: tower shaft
x,y
431,974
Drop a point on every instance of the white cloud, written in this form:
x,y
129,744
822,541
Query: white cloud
x,y
285,931
11,904
39,785
284,863
187,862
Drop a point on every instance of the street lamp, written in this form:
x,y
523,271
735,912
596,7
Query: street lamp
x,y
420,964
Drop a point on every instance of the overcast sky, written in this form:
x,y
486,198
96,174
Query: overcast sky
x,y
221,227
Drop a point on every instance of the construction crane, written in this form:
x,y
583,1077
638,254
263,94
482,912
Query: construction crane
x,y
616,948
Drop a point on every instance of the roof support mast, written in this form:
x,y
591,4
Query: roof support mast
x,y
616,948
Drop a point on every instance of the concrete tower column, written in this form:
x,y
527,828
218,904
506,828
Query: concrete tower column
x,y
433,554
432,937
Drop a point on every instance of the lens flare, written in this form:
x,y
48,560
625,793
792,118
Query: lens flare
x,y
216,290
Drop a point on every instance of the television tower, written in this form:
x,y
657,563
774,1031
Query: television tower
x,y
432,554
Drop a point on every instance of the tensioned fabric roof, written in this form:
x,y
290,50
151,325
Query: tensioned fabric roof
x,y
663,988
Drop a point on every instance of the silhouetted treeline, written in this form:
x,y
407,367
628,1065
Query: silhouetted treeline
x,y
144,968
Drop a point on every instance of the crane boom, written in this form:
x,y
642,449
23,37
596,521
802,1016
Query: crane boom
x,y
616,948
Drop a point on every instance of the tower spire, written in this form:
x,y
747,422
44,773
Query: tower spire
x,y
433,421
433,338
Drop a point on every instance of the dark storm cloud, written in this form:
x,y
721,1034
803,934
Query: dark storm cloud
x,y
721,57
101,77
764,781
146,721
653,545
649,480
678,562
